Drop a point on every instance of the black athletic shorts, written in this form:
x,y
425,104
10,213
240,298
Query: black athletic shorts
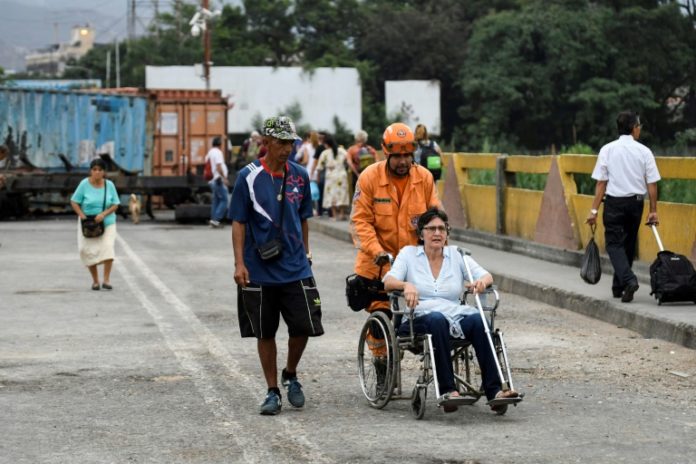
x,y
259,308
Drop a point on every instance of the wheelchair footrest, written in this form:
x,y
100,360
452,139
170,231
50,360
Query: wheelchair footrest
x,y
456,401
501,401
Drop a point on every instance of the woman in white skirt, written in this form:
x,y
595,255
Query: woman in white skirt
x,y
97,196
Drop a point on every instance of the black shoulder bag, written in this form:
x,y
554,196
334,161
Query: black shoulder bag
x,y
272,249
90,227
361,291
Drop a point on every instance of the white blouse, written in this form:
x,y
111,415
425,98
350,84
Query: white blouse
x,y
442,294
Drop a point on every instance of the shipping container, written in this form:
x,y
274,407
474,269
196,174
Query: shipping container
x,y
56,130
156,141
181,125
186,121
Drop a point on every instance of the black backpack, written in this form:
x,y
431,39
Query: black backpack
x,y
672,278
431,160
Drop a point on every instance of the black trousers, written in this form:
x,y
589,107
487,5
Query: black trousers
x,y
622,218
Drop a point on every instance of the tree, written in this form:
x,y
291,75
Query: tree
x,y
558,72
416,40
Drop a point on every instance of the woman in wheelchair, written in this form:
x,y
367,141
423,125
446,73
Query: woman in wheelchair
x,y
432,277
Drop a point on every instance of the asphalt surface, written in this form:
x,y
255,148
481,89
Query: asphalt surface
x,y
537,273
155,371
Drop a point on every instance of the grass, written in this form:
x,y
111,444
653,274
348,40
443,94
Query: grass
x,y
671,190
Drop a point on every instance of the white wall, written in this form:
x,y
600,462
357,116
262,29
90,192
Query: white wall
x,y
266,91
417,101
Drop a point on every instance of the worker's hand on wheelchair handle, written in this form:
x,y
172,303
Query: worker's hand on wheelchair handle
x,y
410,295
382,258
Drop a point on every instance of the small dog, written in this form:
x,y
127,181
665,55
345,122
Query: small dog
x,y
134,208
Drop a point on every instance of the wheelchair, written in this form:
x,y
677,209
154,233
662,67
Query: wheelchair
x,y
381,376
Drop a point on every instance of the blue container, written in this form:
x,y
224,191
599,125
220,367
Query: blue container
x,y
81,126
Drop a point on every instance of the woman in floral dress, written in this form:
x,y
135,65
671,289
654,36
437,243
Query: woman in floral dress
x,y
333,160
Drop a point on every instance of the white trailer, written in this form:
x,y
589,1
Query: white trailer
x,y
258,92
414,102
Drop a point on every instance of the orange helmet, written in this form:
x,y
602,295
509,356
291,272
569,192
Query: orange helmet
x,y
397,139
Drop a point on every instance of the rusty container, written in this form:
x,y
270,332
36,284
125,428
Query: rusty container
x,y
185,123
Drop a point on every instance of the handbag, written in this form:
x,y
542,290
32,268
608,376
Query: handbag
x,y
90,227
272,249
361,291
591,268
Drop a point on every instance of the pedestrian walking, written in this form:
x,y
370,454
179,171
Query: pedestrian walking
x,y
332,162
360,156
96,200
428,154
625,171
271,203
218,184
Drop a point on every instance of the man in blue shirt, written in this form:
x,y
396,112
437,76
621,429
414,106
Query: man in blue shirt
x,y
271,203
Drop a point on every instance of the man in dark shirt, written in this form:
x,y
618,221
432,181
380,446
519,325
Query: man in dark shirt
x,y
270,206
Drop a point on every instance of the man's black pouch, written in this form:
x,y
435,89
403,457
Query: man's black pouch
x,y
270,251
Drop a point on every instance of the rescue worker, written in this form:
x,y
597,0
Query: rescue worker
x,y
389,198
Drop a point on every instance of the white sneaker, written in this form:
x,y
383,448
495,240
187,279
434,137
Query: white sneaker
x,y
214,224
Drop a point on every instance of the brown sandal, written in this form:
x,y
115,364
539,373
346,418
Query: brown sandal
x,y
499,404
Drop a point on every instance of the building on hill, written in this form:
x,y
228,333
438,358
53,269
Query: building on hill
x,y
53,60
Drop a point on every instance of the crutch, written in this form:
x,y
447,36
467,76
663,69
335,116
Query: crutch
x,y
503,382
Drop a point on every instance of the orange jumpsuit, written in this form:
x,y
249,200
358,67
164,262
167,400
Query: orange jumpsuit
x,y
380,222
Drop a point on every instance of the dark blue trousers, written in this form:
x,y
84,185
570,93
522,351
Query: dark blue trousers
x,y
622,218
437,325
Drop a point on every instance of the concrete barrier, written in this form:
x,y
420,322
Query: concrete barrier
x,y
556,215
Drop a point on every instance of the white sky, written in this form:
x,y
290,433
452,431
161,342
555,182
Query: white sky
x,y
36,23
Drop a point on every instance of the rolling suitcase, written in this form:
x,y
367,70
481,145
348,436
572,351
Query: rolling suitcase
x,y
672,276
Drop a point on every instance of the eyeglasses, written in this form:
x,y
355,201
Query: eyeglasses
x,y
441,229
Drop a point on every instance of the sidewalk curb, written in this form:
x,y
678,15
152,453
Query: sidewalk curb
x,y
648,325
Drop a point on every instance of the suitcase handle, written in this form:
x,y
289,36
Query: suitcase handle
x,y
653,226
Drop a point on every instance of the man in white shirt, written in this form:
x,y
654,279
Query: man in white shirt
x,y
625,171
218,184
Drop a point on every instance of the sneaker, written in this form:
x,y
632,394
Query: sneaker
x,y
294,389
214,224
628,292
271,405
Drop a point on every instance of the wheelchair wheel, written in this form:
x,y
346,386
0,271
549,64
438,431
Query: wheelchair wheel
x,y
467,373
376,372
418,402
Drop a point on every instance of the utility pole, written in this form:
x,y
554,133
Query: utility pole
x,y
118,64
206,50
131,20
108,69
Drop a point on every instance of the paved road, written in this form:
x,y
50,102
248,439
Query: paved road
x,y
155,371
